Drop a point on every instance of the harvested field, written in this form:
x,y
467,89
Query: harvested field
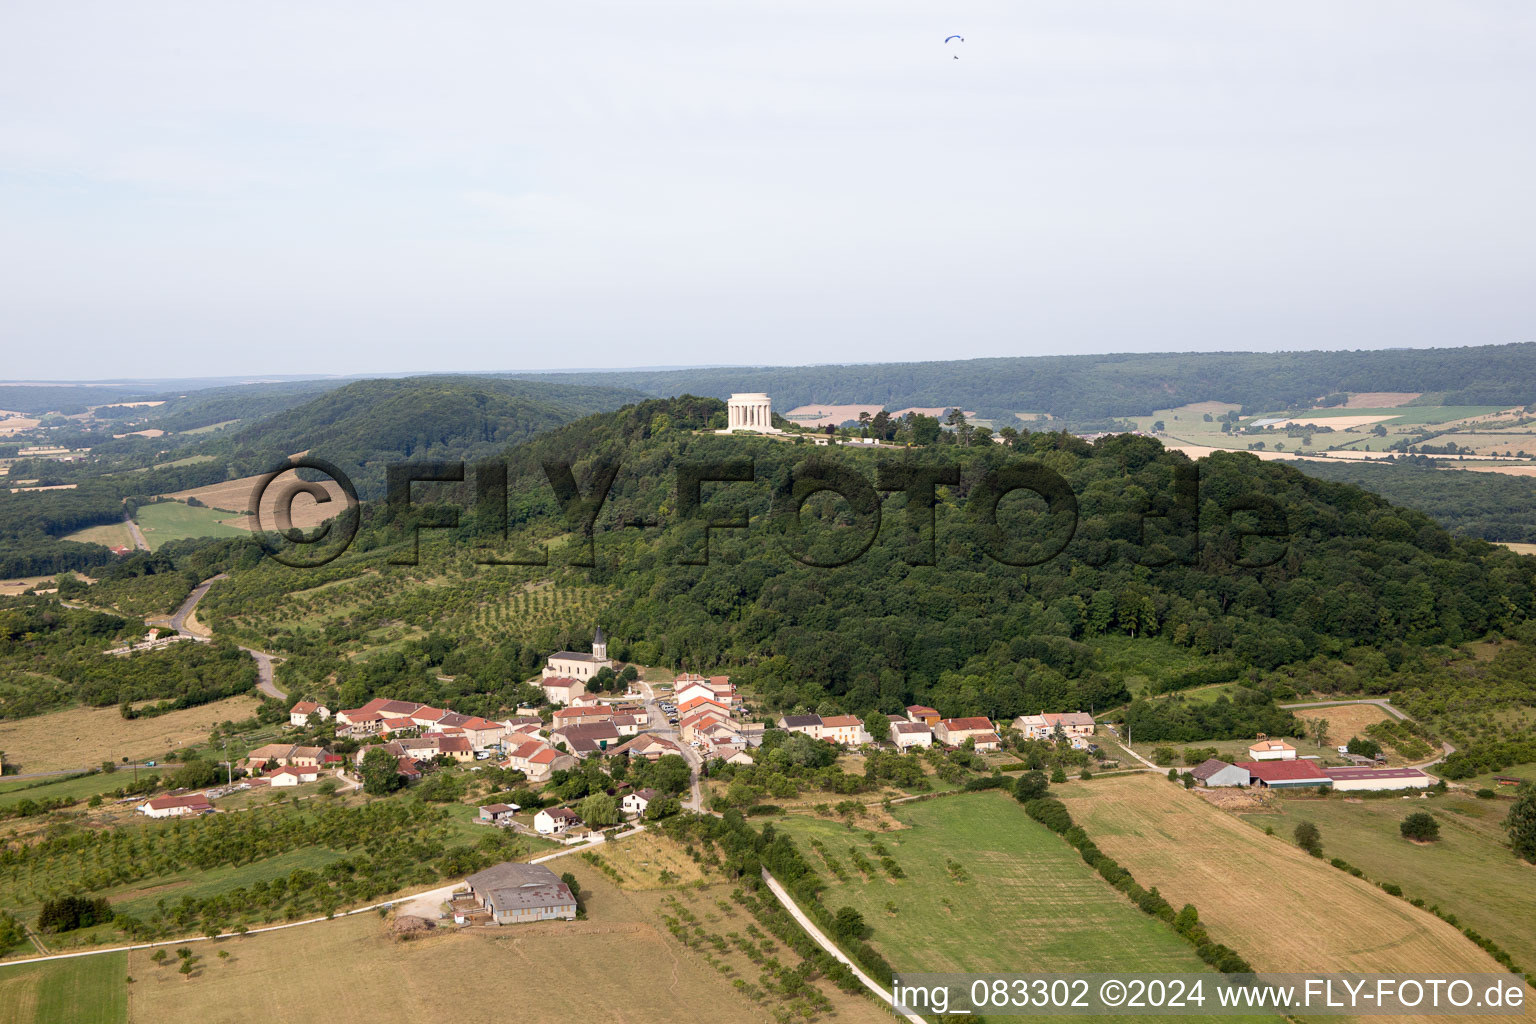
x,y
235,496
1336,422
1380,399
1345,721
1522,549
88,736
1280,908
11,588
620,961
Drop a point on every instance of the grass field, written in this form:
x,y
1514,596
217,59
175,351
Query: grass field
x,y
79,787
90,990
1027,903
88,736
1282,909
166,521
113,535
1469,871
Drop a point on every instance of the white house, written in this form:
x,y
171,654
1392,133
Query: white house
x,y
639,800
176,806
907,735
301,713
553,821
808,724
562,689
1070,725
1272,750
846,729
292,775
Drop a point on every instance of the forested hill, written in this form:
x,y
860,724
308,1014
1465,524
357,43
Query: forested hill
x,y
368,424
361,427
1100,386
973,635
1492,506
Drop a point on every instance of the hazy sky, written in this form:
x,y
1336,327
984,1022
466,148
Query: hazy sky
x,y
210,187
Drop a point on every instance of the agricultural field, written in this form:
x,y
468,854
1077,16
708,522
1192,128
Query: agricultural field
x,y
628,969
1469,871
232,499
166,521
1280,908
88,990
1346,721
986,888
85,737
72,787
113,535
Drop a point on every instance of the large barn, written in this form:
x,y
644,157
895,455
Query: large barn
x,y
1285,774
1345,779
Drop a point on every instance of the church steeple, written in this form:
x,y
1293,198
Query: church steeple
x,y
599,645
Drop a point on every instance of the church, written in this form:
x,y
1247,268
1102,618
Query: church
x,y
576,665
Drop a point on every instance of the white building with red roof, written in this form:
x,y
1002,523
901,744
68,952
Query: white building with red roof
x,y
176,806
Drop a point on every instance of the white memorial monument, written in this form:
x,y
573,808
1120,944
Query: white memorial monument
x,y
750,412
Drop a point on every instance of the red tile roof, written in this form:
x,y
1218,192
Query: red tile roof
x,y
1283,771
966,724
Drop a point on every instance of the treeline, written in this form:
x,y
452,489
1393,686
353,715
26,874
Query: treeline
x,y
1489,506
1102,386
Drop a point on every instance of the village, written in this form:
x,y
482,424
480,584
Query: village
x,y
703,720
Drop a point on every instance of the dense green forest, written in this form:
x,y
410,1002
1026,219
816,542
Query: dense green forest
x,y
1493,506
1100,386
52,656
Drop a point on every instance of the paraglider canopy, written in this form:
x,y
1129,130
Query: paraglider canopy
x,y
961,38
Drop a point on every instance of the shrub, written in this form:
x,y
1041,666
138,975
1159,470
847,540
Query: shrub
x,y
1420,825
1030,786
1050,812
1309,838
1486,794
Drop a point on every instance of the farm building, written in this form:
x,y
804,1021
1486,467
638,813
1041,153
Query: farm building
x,y
497,814
1215,773
1272,750
809,724
1284,774
512,893
1378,778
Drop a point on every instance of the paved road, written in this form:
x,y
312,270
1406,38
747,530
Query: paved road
x,y
1383,703
179,617
830,946
265,677
133,529
658,724
264,674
